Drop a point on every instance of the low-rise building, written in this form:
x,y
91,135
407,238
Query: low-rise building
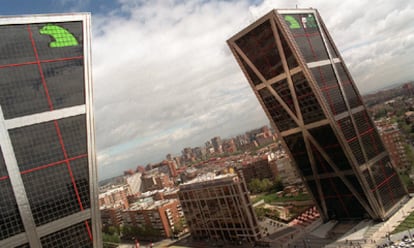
x,y
260,168
163,217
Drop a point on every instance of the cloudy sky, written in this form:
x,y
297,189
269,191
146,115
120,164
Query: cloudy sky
x,y
165,79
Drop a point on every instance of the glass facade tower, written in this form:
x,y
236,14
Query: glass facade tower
x,y
302,83
48,179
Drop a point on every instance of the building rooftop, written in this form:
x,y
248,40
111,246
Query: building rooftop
x,y
149,204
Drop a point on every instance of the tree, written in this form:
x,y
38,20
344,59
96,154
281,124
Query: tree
x,y
266,185
254,186
277,185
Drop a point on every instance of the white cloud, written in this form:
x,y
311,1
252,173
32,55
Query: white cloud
x,y
165,79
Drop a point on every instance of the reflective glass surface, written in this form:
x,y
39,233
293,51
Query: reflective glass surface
x,y
10,221
259,46
328,84
280,117
309,105
305,31
36,77
75,236
42,70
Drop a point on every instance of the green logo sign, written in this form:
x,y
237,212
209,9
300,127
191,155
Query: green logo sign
x,y
293,23
307,22
61,36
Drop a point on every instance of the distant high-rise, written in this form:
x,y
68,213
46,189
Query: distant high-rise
x,y
219,207
301,81
48,179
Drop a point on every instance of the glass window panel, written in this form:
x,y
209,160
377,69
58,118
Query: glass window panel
x,y
282,89
65,83
36,145
250,74
53,196
297,147
21,91
10,221
259,46
309,105
73,131
15,45
279,116
71,237
327,82
348,86
307,36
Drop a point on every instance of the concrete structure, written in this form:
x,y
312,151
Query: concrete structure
x,y
48,177
163,216
218,207
303,85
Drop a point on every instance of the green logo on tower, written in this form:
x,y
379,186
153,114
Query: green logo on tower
x,y
61,36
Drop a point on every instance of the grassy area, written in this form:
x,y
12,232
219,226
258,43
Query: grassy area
x,y
272,197
408,223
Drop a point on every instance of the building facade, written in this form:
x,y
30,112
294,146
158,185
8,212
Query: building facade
x,y
162,217
48,179
154,180
308,94
116,197
219,207
396,145
260,168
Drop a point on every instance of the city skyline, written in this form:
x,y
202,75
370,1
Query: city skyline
x,y
175,53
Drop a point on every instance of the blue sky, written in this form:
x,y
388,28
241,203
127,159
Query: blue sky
x,y
20,7
164,78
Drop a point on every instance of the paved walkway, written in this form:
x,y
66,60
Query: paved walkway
x,y
370,235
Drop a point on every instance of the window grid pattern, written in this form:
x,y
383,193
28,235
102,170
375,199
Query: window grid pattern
x,y
25,71
297,147
51,156
280,117
328,84
387,183
64,188
339,199
290,58
251,75
218,210
75,236
348,130
309,105
348,86
10,221
282,89
369,136
307,37
326,138
260,47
